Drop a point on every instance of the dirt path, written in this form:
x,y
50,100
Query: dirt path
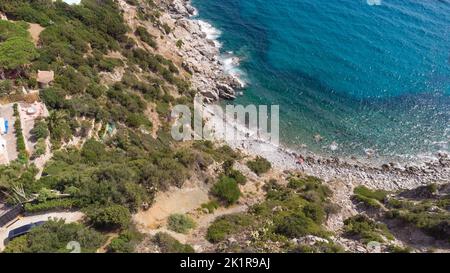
x,y
188,200
35,31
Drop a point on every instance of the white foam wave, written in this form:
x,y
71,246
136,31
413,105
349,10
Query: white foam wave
x,y
229,61
230,65
211,32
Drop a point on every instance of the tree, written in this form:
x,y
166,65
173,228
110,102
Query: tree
x,y
227,189
93,151
112,217
259,166
40,130
53,97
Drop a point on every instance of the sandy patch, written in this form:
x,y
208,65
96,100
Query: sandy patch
x,y
35,31
172,201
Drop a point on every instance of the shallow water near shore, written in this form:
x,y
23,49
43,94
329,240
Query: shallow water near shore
x,y
365,76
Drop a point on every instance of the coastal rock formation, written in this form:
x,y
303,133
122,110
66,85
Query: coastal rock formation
x,y
201,54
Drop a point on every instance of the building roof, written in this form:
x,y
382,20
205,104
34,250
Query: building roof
x,y
45,77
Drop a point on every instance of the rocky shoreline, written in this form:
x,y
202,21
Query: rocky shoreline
x,y
390,176
201,57
201,54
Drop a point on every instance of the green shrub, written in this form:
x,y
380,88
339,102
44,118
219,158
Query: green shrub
x,y
436,225
227,225
180,43
227,190
315,212
44,194
223,153
398,249
112,217
146,37
40,148
180,223
53,97
168,244
93,151
363,191
20,140
259,165
295,225
311,188
167,28
367,201
304,183
109,64
40,130
65,203
319,247
6,87
366,229
211,206
125,243
237,176
371,198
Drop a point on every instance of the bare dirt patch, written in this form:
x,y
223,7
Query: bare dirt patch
x,y
35,31
174,200
154,118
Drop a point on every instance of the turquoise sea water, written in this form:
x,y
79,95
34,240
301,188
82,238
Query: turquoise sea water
x,y
366,74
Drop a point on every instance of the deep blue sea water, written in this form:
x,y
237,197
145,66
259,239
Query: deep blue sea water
x,y
366,74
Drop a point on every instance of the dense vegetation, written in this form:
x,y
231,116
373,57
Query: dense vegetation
x,y
126,242
116,167
366,229
16,50
426,208
288,212
54,236
20,141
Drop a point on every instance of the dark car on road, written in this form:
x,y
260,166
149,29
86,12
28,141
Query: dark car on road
x,y
23,230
